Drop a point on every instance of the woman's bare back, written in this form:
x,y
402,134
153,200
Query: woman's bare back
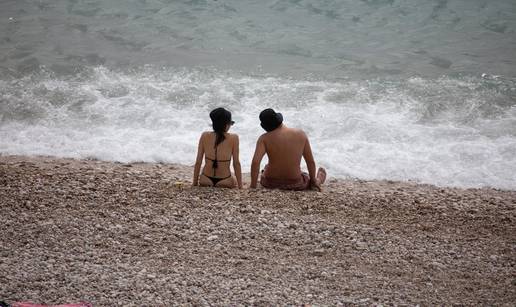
x,y
222,154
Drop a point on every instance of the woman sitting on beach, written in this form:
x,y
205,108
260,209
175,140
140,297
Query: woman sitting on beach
x,y
218,147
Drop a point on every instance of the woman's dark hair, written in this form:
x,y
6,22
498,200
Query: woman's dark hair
x,y
220,117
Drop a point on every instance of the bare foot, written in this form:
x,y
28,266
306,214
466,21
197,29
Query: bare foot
x,y
321,175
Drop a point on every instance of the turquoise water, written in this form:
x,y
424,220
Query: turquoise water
x,y
402,90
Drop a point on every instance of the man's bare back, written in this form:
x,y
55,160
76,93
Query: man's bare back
x,y
284,147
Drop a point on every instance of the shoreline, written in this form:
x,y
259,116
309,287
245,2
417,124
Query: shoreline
x,y
184,172
139,234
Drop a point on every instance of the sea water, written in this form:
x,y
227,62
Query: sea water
x,y
402,90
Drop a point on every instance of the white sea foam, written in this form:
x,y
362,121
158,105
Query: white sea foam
x,y
449,132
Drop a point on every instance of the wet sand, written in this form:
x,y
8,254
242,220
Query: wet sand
x,y
139,235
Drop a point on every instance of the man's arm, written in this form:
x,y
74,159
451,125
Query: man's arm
x,y
198,161
310,164
259,152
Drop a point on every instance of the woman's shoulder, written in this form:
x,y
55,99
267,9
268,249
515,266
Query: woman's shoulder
x,y
232,136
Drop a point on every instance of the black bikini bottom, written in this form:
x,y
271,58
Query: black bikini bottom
x,y
215,180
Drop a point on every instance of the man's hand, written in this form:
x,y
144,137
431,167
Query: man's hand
x,y
315,185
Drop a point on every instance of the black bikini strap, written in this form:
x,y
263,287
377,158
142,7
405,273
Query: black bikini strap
x,y
215,162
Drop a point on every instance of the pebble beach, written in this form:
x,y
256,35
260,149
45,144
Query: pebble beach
x,y
138,234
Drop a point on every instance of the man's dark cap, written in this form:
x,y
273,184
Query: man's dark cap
x,y
270,120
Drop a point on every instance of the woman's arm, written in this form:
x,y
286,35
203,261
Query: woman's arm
x,y
198,161
236,162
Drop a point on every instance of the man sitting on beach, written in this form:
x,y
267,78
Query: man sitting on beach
x,y
284,147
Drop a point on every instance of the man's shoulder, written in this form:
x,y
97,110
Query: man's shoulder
x,y
288,132
263,137
297,132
